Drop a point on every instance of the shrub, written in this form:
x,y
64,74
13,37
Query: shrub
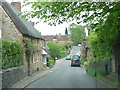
x,y
82,61
54,49
85,63
12,54
51,63
97,69
28,45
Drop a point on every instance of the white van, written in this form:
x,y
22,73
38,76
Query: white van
x,y
79,45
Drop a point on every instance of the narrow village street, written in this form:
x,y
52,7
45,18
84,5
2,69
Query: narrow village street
x,y
67,77
59,44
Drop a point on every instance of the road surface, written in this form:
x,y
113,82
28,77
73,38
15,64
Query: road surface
x,y
66,76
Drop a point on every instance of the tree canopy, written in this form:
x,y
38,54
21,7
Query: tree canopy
x,y
103,18
59,12
77,34
54,49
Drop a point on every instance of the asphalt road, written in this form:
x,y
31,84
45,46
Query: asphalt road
x,y
66,76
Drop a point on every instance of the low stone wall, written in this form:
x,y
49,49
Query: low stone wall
x,y
12,75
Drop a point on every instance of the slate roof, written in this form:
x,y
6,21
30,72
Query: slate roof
x,y
24,26
58,37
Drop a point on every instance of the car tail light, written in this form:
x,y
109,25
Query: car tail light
x,y
71,61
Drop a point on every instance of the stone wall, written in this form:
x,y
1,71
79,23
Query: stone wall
x,y
11,33
36,60
12,75
9,30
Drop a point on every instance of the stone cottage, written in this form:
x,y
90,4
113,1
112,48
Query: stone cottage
x,y
60,39
16,29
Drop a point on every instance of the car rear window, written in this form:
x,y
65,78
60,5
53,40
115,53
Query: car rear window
x,y
75,57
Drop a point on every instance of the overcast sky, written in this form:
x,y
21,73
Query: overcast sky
x,y
44,28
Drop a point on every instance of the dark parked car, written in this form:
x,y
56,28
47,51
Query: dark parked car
x,y
75,60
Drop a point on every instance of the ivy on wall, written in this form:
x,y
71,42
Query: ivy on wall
x,y
28,46
12,54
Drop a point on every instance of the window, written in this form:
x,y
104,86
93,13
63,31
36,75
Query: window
x,y
44,59
41,43
75,57
54,39
37,41
37,57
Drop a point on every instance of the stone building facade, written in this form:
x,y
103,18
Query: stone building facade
x,y
15,29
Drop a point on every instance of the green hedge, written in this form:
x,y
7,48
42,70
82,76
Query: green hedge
x,y
97,69
12,54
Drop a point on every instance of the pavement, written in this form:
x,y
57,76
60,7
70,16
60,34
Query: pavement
x,y
36,76
66,76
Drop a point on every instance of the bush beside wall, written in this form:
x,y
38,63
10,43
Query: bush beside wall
x,y
98,69
12,54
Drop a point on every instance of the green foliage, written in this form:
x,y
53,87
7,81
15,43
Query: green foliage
x,y
77,34
85,63
102,18
67,45
97,68
51,63
54,49
64,52
104,39
114,81
12,54
29,46
52,12
51,58
82,60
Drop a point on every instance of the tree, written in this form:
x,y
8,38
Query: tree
x,y
101,17
77,34
59,12
66,31
54,49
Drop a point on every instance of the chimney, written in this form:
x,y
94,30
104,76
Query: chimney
x,y
17,5
60,34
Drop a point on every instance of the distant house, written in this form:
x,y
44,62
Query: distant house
x,y
16,29
60,39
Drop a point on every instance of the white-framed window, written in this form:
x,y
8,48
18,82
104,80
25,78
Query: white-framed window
x,y
40,43
37,57
37,41
44,59
54,39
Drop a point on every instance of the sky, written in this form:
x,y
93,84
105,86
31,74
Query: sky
x,y
44,28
